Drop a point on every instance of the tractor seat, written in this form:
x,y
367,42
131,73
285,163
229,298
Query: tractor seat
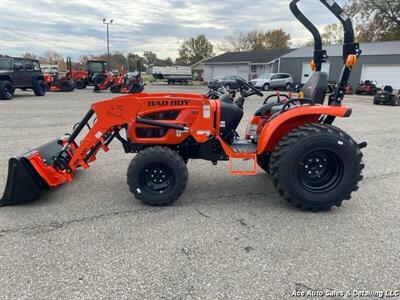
x,y
388,89
315,88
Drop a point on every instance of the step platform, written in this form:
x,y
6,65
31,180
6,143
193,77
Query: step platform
x,y
243,159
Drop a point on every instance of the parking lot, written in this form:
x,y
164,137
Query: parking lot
x,y
226,237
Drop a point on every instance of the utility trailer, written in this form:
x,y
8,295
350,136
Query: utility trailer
x,y
173,75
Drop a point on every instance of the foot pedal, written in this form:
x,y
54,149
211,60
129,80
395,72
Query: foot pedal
x,y
244,164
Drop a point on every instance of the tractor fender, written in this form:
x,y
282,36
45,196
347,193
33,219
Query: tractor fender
x,y
292,118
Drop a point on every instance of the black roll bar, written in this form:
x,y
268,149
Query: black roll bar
x,y
69,65
349,46
351,50
320,55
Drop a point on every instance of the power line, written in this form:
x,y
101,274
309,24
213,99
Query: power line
x,y
37,39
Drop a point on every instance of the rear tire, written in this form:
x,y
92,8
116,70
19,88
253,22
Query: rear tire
x,y
97,81
376,100
263,163
288,87
80,84
316,167
114,89
266,87
6,90
157,176
66,86
39,88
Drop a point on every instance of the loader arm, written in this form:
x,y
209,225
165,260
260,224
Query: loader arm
x,y
55,163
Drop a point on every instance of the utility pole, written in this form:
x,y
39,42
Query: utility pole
x,y
108,23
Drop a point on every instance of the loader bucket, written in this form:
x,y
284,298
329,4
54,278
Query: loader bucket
x,y
24,184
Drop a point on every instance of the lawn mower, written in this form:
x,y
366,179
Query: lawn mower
x,y
367,87
54,83
314,165
387,96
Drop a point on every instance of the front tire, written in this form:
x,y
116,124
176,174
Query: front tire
x,y
157,176
6,90
114,89
39,88
98,81
316,167
67,86
266,87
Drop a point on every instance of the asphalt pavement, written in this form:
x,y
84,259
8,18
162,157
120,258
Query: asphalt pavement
x,y
227,237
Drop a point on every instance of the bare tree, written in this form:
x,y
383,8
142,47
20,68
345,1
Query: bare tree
x,y
256,40
30,55
375,20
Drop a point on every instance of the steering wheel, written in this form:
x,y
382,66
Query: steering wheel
x,y
254,90
278,97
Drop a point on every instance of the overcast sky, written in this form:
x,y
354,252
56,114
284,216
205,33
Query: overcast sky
x,y
75,28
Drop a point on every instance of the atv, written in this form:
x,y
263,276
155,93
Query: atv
x,y
314,164
387,96
367,87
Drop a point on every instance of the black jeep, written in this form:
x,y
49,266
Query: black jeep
x,y
21,73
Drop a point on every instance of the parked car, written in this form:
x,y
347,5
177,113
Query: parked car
x,y
273,80
20,73
229,82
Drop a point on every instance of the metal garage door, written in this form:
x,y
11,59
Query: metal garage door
x,y
382,74
307,72
231,70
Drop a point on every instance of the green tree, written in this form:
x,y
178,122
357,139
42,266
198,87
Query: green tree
x,y
150,59
133,60
375,20
164,62
194,49
256,40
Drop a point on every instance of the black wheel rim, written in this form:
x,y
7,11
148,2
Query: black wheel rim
x,y
8,91
320,171
157,178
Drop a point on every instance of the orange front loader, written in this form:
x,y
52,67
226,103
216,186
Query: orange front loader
x,y
314,165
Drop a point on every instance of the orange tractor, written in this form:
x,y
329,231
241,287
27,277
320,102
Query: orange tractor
x,y
314,164
94,75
